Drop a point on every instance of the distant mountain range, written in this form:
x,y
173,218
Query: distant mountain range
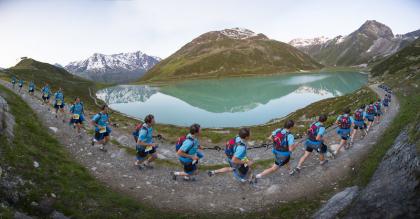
x,y
230,52
371,42
116,68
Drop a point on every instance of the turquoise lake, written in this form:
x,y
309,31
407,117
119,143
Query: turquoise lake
x,y
230,102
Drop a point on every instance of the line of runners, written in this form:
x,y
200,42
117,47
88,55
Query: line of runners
x,y
189,150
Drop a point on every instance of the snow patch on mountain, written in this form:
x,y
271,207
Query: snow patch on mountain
x,y
238,33
299,42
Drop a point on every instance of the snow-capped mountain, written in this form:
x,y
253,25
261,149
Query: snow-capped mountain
x,y
372,41
238,33
116,68
299,42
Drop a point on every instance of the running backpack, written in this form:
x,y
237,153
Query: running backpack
x,y
280,141
230,148
371,109
386,102
378,105
181,141
358,115
313,131
344,122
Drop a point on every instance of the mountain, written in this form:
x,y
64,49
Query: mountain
x,y
29,69
371,42
116,68
406,60
230,52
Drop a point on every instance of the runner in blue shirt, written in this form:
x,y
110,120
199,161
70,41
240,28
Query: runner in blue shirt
x,y
359,122
101,123
46,93
236,157
13,81
59,103
20,84
189,155
283,145
344,123
77,117
370,115
31,88
315,141
146,149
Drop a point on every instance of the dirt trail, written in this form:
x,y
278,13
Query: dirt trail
x,y
217,194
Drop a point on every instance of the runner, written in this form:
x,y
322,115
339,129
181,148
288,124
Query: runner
x,y
378,114
315,141
13,81
102,130
239,162
59,103
385,103
46,93
31,88
344,123
187,150
146,148
370,115
20,84
359,122
77,118
283,145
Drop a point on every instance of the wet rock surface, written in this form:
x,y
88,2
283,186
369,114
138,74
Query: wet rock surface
x,y
7,120
337,203
393,191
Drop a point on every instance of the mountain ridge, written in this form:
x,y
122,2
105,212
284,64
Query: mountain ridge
x,y
230,52
370,42
114,68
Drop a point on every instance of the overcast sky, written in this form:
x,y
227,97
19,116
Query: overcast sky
x,y
63,31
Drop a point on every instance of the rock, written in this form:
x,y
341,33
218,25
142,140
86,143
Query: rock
x,y
58,215
36,164
46,205
54,129
53,195
337,203
93,168
20,215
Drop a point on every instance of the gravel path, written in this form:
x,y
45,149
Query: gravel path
x,y
217,194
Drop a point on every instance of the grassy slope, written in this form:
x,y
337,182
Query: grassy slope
x,y
229,57
29,69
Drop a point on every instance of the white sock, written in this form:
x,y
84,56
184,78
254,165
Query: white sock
x,y
176,173
258,176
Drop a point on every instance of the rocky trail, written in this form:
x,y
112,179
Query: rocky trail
x,y
221,193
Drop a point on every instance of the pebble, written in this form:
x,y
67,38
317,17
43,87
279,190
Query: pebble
x,y
53,195
36,164
148,183
93,168
54,129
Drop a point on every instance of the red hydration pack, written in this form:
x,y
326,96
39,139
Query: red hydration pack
x,y
313,131
358,115
344,122
230,147
180,142
371,109
280,141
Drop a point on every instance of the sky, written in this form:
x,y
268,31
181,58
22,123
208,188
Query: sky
x,y
60,31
